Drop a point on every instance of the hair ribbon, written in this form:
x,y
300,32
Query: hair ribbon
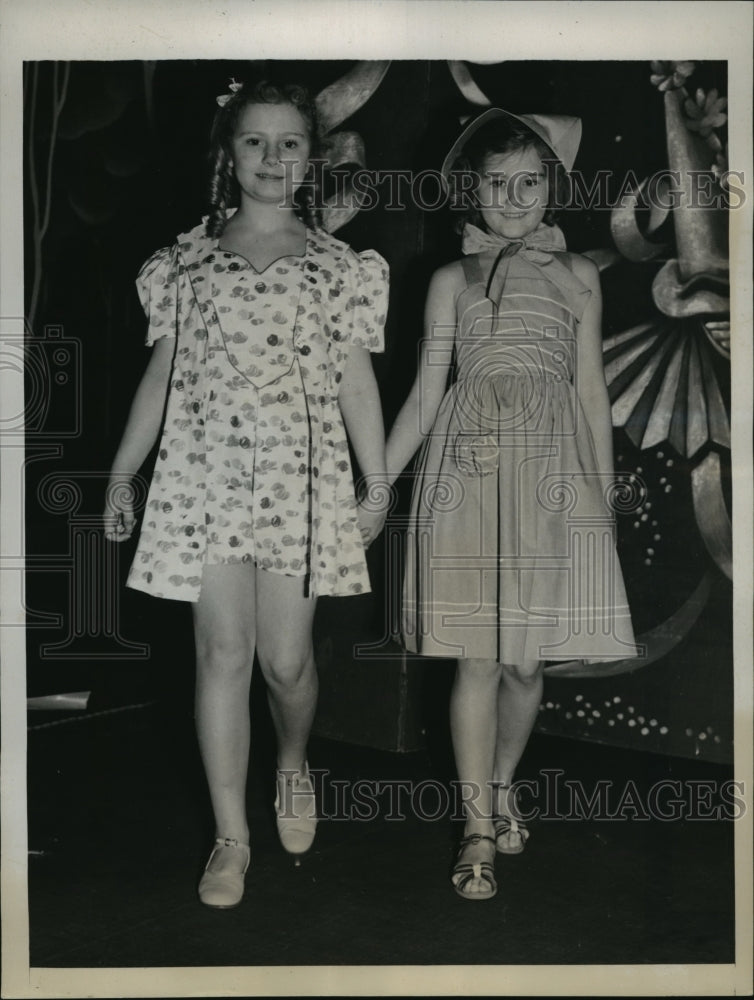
x,y
234,87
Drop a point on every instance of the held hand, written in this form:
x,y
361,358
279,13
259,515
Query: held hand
x,y
118,516
377,500
371,523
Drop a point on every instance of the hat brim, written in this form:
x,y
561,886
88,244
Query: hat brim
x,y
491,114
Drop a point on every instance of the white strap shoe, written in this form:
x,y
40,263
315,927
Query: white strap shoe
x,y
296,810
224,890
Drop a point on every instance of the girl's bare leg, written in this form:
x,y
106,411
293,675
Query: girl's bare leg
x,y
518,701
474,727
224,626
286,656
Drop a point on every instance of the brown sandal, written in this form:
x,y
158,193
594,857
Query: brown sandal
x,y
464,872
505,825
510,827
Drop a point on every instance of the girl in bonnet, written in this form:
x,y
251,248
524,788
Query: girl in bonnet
x,y
511,558
262,324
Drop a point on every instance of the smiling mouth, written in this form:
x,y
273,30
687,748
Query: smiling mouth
x,y
272,177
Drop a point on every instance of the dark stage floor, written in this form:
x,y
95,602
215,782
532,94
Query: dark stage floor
x,y
120,828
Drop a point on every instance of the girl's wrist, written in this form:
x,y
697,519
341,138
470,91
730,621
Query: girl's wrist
x,y
127,463
121,473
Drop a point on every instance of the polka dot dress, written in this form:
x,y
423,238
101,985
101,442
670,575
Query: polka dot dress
x,y
253,464
258,440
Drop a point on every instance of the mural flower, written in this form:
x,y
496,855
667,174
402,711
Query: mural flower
x,y
705,112
670,75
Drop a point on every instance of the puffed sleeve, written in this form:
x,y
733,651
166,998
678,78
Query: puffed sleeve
x,y
157,285
369,301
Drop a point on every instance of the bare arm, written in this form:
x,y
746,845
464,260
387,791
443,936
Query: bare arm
x,y
590,373
420,409
359,401
141,431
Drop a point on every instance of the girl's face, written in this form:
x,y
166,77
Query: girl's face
x,y
270,152
513,192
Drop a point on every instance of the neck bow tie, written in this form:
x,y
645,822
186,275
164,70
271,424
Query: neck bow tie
x,y
537,246
536,255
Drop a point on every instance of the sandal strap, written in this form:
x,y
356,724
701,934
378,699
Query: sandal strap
x,y
301,781
478,869
463,874
509,824
229,842
474,838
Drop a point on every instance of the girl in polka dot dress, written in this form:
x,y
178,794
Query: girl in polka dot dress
x,y
262,324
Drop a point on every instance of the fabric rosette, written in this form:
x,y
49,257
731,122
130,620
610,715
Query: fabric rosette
x,y
476,454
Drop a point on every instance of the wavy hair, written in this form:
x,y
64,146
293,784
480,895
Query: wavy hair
x,y
223,187
497,137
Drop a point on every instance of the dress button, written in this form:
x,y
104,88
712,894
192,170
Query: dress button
x,y
282,397
558,378
275,521
272,339
305,350
260,287
234,266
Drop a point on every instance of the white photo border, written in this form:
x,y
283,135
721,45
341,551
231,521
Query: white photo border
x,y
473,30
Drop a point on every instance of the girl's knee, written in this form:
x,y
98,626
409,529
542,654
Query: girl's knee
x,y
224,656
479,671
287,670
525,674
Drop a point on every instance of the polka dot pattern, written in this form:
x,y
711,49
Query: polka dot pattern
x,y
253,464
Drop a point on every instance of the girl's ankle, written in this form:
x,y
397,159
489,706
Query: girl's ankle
x,y
482,826
236,840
